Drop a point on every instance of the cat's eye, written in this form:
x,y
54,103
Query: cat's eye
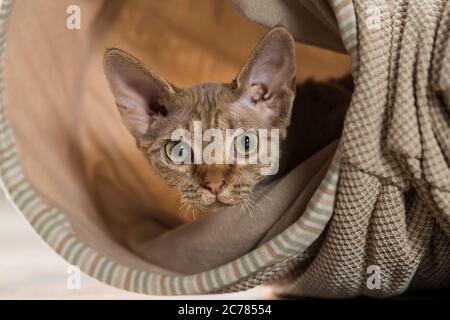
x,y
246,144
178,152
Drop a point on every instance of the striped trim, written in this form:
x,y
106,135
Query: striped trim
x,y
54,227
346,17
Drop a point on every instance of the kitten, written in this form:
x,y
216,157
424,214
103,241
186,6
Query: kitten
x,y
261,97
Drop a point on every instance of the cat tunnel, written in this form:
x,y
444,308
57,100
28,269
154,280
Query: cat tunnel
x,y
368,215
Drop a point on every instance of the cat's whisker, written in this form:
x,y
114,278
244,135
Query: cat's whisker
x,y
253,197
194,214
187,209
252,194
257,204
242,207
249,203
249,207
183,206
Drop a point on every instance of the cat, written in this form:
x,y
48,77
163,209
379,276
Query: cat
x,y
262,96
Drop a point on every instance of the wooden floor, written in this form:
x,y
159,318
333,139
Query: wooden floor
x,y
29,269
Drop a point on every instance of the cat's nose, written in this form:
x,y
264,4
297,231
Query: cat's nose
x,y
215,185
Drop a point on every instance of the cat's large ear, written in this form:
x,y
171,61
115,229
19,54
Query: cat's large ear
x,y
268,78
139,93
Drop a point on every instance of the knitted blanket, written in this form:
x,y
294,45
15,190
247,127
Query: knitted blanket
x,y
390,230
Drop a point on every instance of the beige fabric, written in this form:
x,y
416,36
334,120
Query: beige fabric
x,y
393,204
72,146
309,21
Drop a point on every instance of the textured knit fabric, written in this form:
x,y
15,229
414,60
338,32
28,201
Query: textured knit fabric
x,y
393,201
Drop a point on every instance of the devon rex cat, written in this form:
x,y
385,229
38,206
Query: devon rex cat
x,y
261,97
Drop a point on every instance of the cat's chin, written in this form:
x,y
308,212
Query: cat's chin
x,y
217,205
214,205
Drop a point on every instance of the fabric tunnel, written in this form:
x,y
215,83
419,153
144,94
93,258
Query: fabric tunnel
x,y
375,200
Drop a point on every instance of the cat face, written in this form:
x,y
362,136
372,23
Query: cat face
x,y
260,97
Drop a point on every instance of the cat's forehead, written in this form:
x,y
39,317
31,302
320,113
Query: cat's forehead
x,y
207,96
207,102
216,105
